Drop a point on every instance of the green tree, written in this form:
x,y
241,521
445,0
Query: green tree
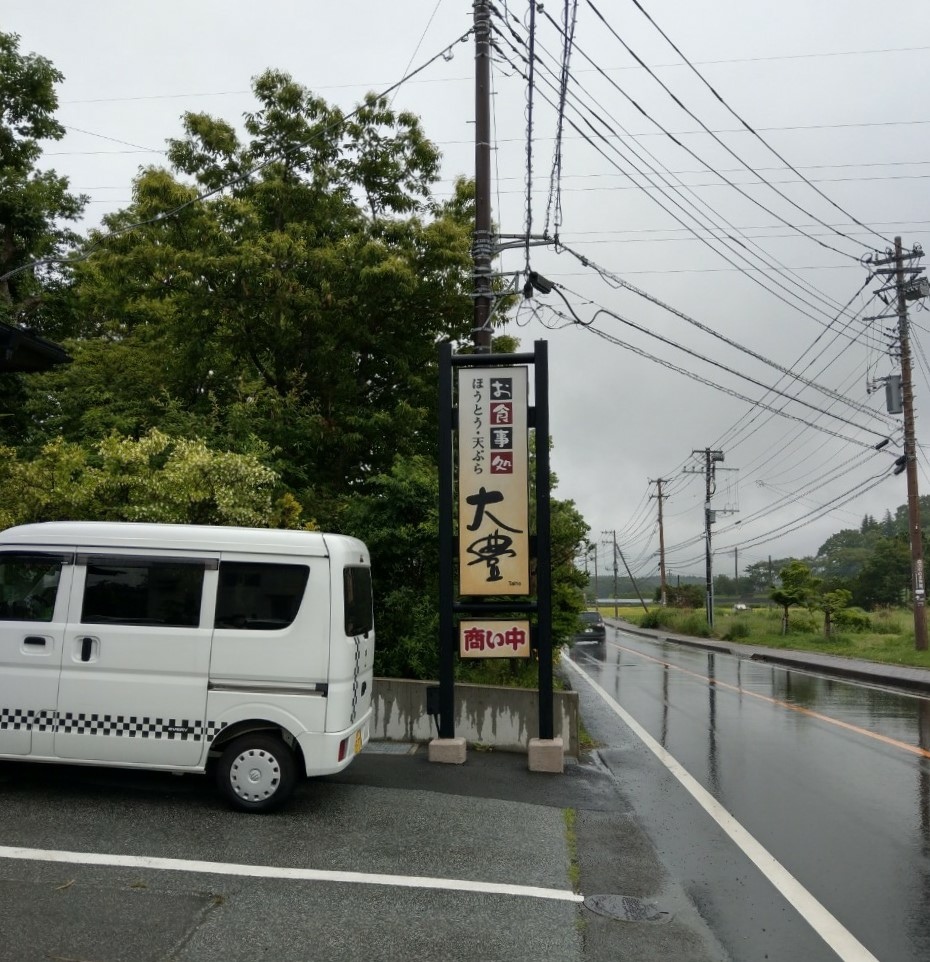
x,y
725,586
797,588
32,202
398,518
761,574
34,205
685,596
831,603
154,478
568,531
843,554
886,575
300,306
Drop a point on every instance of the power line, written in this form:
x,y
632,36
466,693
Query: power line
x,y
376,85
555,178
697,377
729,437
205,195
764,142
724,240
679,205
787,372
719,141
805,519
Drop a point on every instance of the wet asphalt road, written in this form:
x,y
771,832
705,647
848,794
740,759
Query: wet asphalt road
x,y
831,777
489,823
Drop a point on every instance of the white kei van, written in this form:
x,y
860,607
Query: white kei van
x,y
183,647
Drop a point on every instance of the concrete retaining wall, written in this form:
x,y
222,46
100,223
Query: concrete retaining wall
x,y
503,718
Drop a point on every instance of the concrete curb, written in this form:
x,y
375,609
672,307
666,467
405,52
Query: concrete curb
x,y
891,676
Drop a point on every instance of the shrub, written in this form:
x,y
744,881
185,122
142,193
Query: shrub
x,y
802,624
852,619
695,625
739,629
652,619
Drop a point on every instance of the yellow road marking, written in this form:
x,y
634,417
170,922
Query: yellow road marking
x,y
894,742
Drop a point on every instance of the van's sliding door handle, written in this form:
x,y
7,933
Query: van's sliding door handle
x,y
87,645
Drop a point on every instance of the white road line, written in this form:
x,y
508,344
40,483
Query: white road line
x,y
281,872
825,924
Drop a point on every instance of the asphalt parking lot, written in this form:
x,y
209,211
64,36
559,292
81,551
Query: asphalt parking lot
x,y
393,859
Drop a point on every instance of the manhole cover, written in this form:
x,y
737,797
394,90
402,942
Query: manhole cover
x,y
626,908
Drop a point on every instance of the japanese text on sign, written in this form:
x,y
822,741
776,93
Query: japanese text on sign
x,y
493,481
494,639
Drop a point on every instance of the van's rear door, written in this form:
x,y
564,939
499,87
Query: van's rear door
x,y
352,646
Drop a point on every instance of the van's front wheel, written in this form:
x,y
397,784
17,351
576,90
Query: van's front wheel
x,y
256,772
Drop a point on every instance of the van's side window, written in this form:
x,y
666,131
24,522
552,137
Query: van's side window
x,y
357,588
262,597
28,586
141,591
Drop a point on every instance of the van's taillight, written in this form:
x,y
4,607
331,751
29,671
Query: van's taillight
x,y
343,748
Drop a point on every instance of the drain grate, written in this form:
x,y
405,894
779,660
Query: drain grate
x,y
626,908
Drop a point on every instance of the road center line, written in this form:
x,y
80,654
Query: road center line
x,y
820,919
281,872
809,712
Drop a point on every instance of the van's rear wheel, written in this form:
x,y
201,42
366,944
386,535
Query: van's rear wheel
x,y
256,772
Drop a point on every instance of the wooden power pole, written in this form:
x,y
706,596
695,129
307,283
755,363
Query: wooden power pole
x,y
908,285
663,587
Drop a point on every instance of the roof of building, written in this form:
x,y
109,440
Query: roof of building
x,y
23,350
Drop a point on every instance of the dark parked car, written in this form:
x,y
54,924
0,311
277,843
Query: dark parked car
x,y
592,627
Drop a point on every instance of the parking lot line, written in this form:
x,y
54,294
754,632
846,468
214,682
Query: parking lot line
x,y
283,872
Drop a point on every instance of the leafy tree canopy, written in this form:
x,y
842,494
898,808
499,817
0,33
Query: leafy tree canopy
x,y
797,587
301,305
152,479
885,577
32,203
255,342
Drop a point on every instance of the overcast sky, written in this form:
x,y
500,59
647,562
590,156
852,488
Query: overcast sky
x,y
838,89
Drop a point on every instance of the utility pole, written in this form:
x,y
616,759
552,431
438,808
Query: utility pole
x,y
593,547
618,552
614,534
663,588
709,519
482,241
910,449
711,459
908,285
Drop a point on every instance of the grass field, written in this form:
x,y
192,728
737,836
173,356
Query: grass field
x,y
888,636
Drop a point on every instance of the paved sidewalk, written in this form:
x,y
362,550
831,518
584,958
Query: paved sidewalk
x,y
892,676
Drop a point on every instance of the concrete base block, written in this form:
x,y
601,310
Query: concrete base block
x,y
546,755
451,751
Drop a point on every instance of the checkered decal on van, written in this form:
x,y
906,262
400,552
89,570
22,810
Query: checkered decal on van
x,y
126,726
16,719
